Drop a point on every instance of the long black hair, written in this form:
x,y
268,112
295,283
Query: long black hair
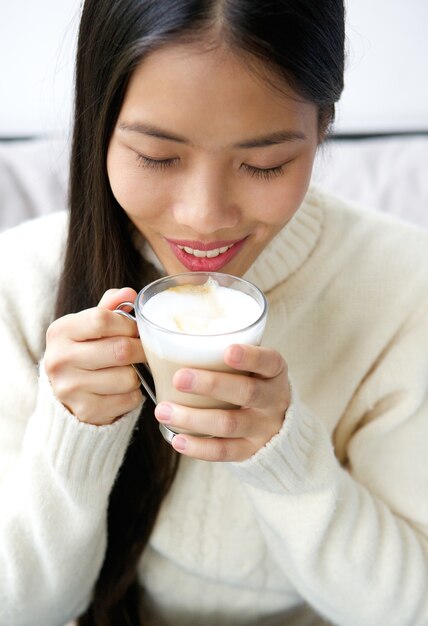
x,y
302,41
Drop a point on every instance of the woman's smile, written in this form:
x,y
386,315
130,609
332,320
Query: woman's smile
x,y
198,256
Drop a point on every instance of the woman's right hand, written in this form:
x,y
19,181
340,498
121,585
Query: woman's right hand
x,y
88,360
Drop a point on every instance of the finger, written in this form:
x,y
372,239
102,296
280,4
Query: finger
x,y
255,359
95,323
101,321
102,410
238,389
113,297
110,381
235,423
104,353
212,449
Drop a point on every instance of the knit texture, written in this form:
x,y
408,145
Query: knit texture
x,y
327,523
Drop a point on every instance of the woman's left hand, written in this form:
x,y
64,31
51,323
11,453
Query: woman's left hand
x,y
235,434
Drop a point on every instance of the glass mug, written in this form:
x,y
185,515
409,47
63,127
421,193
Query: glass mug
x,y
195,344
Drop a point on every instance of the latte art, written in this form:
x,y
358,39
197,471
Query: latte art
x,y
207,309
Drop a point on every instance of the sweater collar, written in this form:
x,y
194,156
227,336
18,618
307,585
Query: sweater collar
x,y
290,248
284,255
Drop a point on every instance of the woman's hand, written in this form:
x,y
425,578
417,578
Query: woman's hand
x,y
238,433
88,360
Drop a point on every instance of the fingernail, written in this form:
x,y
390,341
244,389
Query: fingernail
x,y
236,354
185,380
164,412
179,443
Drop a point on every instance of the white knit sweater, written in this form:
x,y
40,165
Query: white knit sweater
x,y
329,519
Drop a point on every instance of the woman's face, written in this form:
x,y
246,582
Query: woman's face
x,y
208,160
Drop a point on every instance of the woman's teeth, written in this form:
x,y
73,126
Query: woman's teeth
x,y
202,254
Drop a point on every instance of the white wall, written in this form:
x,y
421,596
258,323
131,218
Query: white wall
x,y
386,78
386,81
37,47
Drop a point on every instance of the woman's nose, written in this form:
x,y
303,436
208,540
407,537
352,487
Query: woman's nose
x,y
206,204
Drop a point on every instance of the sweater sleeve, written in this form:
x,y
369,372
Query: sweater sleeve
x,y
353,536
56,474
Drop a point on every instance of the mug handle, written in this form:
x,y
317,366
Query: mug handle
x,y
141,378
119,307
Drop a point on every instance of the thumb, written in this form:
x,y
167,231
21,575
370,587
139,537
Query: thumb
x,y
113,297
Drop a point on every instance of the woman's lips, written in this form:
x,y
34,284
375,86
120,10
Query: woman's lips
x,y
197,256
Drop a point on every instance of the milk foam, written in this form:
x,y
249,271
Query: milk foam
x,y
207,309
205,319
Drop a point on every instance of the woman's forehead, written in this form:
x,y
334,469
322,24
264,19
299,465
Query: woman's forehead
x,y
213,91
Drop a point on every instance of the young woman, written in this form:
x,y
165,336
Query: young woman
x,y
196,126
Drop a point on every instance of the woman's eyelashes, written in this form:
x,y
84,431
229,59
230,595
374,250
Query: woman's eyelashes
x,y
155,164
263,173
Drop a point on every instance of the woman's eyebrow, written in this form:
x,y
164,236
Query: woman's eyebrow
x,y
153,131
280,136
277,137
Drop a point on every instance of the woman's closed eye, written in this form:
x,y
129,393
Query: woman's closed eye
x,y
156,164
263,173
